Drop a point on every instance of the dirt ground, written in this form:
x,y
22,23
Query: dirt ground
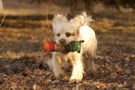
x,y
23,60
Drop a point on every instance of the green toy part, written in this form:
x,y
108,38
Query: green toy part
x,y
73,46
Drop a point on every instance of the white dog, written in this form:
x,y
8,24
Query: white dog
x,y
66,31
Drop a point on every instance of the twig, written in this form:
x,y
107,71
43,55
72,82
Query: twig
x,y
48,24
3,20
47,20
3,45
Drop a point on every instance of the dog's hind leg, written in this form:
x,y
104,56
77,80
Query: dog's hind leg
x,y
92,67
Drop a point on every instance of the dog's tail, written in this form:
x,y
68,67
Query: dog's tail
x,y
82,19
87,19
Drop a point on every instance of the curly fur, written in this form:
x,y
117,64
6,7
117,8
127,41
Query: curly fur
x,y
79,27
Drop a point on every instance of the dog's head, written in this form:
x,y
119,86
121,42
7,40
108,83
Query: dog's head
x,y
66,31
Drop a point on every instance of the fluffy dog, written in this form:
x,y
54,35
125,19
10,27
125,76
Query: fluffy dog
x,y
66,31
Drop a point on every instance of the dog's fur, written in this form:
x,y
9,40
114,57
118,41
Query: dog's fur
x,y
75,29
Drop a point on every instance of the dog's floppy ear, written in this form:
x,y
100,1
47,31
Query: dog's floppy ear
x,y
58,18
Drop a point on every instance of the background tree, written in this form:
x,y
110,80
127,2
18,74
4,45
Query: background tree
x,y
73,6
1,5
38,1
88,4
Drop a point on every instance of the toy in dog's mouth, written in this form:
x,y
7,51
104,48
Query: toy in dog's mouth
x,y
60,47
71,47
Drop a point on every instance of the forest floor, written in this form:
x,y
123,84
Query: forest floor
x,y
23,60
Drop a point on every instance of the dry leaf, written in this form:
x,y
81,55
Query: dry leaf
x,y
108,66
114,75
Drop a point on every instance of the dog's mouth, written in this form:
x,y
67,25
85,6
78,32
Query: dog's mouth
x,y
61,44
65,52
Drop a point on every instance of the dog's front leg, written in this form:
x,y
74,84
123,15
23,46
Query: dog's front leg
x,y
57,65
77,73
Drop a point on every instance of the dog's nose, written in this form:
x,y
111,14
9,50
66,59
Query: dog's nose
x,y
62,41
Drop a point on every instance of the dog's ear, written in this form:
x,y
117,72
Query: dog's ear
x,y
78,20
58,18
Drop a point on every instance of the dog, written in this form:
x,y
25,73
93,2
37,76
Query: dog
x,y
76,29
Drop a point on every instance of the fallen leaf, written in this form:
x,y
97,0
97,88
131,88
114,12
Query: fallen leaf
x,y
127,59
133,85
114,75
108,66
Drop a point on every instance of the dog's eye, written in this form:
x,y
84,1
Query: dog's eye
x,y
68,34
58,34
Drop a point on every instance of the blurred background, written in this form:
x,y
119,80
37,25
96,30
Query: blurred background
x,y
39,7
30,21
26,24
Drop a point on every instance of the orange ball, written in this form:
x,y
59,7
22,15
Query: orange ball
x,y
49,46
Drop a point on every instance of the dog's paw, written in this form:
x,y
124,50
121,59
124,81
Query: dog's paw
x,y
57,76
93,69
74,81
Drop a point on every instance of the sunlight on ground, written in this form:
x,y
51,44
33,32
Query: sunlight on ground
x,y
23,60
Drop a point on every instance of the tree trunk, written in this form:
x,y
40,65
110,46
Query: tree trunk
x,y
1,5
73,6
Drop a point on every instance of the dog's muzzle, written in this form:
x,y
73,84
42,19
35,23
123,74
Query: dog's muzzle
x,y
62,42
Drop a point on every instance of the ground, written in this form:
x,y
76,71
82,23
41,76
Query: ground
x,y
23,60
